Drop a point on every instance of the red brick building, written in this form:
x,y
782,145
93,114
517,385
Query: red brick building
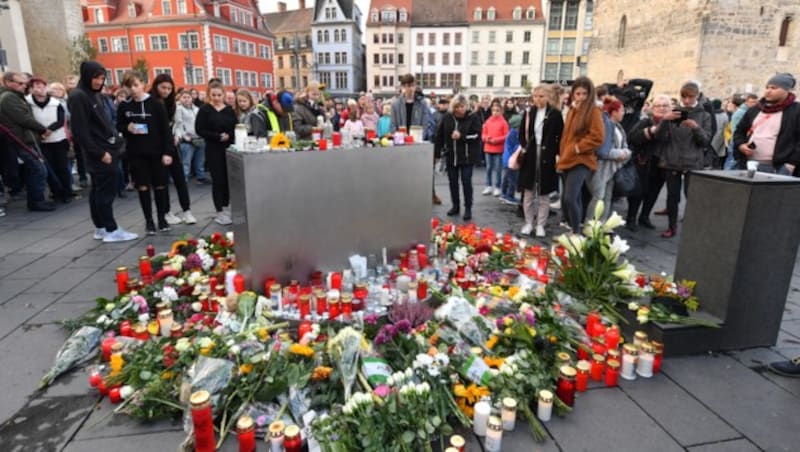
x,y
193,40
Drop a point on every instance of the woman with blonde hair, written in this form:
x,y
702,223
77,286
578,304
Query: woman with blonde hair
x,y
249,115
306,110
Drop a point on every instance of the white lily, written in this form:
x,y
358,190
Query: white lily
x,y
626,272
618,246
613,222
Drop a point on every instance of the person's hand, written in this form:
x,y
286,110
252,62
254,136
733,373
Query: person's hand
x,y
224,137
177,141
47,133
132,128
744,149
166,160
456,135
672,115
690,123
106,158
577,149
790,167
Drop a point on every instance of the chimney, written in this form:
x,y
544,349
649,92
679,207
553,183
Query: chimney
x,y
281,7
302,4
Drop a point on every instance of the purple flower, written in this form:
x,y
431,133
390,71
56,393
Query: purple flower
x,y
499,323
684,292
192,261
530,318
382,391
403,326
371,319
381,339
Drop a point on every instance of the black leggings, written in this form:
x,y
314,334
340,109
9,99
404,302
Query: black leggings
x,y
179,179
674,181
218,167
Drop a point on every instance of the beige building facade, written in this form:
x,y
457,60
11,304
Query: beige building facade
x,y
51,26
294,52
728,46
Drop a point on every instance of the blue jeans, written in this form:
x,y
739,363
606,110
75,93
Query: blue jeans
x,y
494,165
769,168
35,173
509,183
193,154
730,163
572,206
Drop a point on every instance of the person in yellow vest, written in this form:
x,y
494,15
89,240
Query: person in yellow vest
x,y
277,107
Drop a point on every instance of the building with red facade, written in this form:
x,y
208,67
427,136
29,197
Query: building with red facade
x,y
193,40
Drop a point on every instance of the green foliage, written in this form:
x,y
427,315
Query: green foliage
x,y
142,67
80,50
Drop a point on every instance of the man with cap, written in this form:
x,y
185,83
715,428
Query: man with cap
x,y
278,108
769,133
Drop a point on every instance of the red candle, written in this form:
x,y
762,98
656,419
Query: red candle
x,y
422,290
337,139
347,306
125,328
145,269
336,281
565,388
591,319
106,347
371,134
102,387
333,308
246,434
203,422
114,395
434,222
238,283
422,256
322,302
95,378
140,332
582,377
151,250
212,284
302,329
403,260
460,271
292,442
323,144
583,352
598,365
122,280
612,372
658,357
612,337
599,348
598,330
304,305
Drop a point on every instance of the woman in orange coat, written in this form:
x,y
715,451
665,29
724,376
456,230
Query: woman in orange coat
x,y
583,134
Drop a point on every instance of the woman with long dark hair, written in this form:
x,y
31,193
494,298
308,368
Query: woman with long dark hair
x,y
583,134
163,88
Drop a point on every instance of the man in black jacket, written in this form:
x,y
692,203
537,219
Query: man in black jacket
x,y
769,133
22,133
101,144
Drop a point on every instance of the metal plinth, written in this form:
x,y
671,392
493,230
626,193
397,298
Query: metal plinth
x,y
294,213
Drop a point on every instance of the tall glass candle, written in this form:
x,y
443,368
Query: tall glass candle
x,y
480,418
612,337
659,356
422,290
336,281
292,442
598,366
582,376
322,301
303,329
565,387
333,304
544,409
165,319
591,319
494,435
583,351
644,368
276,297
122,280
246,434
275,436
145,269
629,355
150,250
304,304
612,372
598,330
203,422
238,283
509,413
347,306
639,338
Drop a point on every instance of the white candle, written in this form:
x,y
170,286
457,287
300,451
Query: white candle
x,y
544,410
509,413
481,417
165,322
628,367
402,283
645,365
494,435
385,296
383,253
229,287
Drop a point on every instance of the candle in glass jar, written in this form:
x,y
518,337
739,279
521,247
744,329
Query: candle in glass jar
x,y
165,319
145,269
494,435
422,255
303,329
544,409
125,328
422,290
304,304
612,372
639,338
612,337
598,331
412,292
151,250
106,347
275,436
583,352
322,301
347,306
598,366
333,304
292,442
176,331
563,359
229,277
565,387
509,413
457,442
582,375
480,418
591,319
629,355
336,281
658,357
276,297
613,354
403,282
140,332
122,280
246,434
598,346
644,368
203,422
238,283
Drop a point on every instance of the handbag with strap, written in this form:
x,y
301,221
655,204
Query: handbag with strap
x,y
626,180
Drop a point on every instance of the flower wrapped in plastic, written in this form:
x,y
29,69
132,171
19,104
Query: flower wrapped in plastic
x,y
344,350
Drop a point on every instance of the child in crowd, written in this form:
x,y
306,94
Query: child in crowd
x,y
509,185
354,124
385,122
369,118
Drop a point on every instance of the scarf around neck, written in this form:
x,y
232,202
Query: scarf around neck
x,y
774,108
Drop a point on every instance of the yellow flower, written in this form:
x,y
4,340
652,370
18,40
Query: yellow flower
x,y
152,328
321,373
507,331
302,350
167,375
491,342
495,362
508,321
496,291
513,291
531,331
205,351
263,334
459,390
245,369
279,141
176,246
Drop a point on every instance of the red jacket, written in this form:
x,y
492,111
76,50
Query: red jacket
x,y
494,134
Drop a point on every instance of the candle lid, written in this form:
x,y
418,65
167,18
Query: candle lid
x,y
244,423
613,363
122,269
199,398
613,353
568,371
165,314
583,365
139,328
457,441
640,335
598,357
509,403
292,431
305,297
176,327
451,449
293,282
347,298
563,357
319,293
630,349
658,346
545,395
144,258
275,288
648,347
116,347
276,429
495,423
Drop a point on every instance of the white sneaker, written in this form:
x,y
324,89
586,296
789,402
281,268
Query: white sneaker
x,y
222,218
540,231
100,233
496,192
556,205
119,235
526,230
172,219
188,218
487,191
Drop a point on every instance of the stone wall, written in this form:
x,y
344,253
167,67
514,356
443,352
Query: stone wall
x,y
51,26
727,45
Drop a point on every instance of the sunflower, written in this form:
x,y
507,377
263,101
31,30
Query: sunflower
x,y
245,368
494,362
176,247
279,141
321,373
492,342
302,350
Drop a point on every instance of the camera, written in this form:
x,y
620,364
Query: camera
x,y
684,115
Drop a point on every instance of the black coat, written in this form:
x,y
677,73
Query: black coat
x,y
551,140
464,151
787,145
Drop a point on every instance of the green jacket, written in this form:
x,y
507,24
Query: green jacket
x,y
16,114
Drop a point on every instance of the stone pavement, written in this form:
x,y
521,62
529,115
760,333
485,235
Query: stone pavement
x,y
51,269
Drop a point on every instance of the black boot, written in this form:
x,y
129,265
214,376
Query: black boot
x,y
453,212
645,222
467,214
162,205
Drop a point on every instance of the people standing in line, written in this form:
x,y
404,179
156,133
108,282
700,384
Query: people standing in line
x,y
192,148
215,123
493,136
583,135
149,147
307,111
101,144
509,185
164,89
742,103
458,142
249,115
769,133
22,132
611,156
540,132
50,113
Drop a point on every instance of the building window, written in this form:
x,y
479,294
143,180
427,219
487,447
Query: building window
x,y
550,71
556,16
473,60
457,38
568,46
234,15
221,43
224,75
431,59
376,81
326,35
526,57
478,14
489,81
304,60
280,61
457,59
102,45
473,81
282,83
509,36
109,76
420,59
492,35
476,36
159,42
388,16
506,81
571,22
120,73
119,45
403,15
623,24
181,6
374,15
523,80
335,35
446,39
585,46
138,42
99,17
553,46
588,22
786,26
445,59
376,39
420,39
400,38
162,70
194,77
400,59
376,58
319,35
490,13
565,71
263,52
431,39
526,36
325,78
343,35
131,9
266,80
166,7
341,80
189,41
491,57
508,58
530,14
451,80
517,14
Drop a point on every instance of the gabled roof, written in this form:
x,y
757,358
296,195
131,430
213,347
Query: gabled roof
x,y
504,9
380,5
345,5
289,21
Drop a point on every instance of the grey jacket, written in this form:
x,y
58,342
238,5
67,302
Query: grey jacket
x,y
183,123
420,115
682,148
